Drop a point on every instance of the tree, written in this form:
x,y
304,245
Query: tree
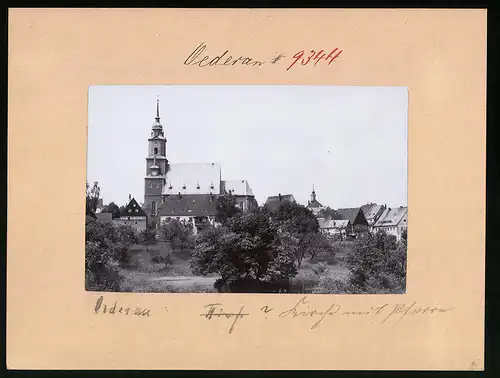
x,y
319,245
377,263
148,235
301,225
106,245
248,247
113,209
226,208
173,230
92,198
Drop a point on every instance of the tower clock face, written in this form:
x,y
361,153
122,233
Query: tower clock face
x,y
154,173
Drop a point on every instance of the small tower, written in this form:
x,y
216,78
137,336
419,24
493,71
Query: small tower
x,y
156,166
313,195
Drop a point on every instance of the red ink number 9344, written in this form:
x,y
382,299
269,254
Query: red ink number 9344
x,y
315,57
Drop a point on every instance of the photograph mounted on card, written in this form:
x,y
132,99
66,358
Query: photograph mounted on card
x,y
248,191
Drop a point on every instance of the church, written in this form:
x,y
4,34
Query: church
x,y
186,191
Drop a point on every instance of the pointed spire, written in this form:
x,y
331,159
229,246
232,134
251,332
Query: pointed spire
x,y
157,118
313,195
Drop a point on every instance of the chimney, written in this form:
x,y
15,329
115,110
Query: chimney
x,y
180,195
129,197
279,195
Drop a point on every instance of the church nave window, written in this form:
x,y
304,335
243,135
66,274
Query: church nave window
x,y
157,184
150,185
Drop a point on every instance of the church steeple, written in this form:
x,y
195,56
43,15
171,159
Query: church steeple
x,y
157,127
313,195
157,118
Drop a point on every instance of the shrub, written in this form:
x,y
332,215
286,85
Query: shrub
x,y
304,282
331,283
319,268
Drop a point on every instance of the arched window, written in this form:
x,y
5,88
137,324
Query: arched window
x,y
153,207
155,150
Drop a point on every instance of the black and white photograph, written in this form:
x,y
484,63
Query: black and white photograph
x,y
247,189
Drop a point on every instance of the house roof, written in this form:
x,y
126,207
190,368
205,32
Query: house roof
x,y
273,202
132,210
238,187
333,223
371,210
194,205
193,178
391,217
350,214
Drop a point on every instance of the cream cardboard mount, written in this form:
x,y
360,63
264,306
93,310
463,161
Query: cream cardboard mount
x,y
56,54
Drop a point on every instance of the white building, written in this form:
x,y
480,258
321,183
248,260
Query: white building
x,y
393,221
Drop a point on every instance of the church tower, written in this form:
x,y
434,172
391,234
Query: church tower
x,y
156,166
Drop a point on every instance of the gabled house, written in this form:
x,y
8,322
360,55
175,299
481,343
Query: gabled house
x,y
133,215
372,212
356,218
393,221
242,193
273,202
197,209
334,226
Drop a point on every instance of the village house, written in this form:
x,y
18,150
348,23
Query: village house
x,y
357,221
273,202
393,221
242,193
132,215
199,210
372,212
334,226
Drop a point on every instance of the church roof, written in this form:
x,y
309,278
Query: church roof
x,y
238,187
193,178
189,205
314,203
133,210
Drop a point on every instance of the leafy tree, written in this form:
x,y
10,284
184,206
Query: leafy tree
x,y
301,225
92,198
106,245
377,263
248,246
173,230
148,235
113,209
226,208
319,244
328,213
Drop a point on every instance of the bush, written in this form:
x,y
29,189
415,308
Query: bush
x,y
319,268
304,282
331,283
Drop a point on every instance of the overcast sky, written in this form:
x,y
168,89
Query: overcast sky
x,y
350,142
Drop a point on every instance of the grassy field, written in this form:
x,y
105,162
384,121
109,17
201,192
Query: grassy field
x,y
159,268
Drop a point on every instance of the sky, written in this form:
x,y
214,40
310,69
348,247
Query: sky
x,y
349,142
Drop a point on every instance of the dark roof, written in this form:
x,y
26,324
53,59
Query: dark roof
x,y
135,210
354,215
273,202
195,205
314,203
